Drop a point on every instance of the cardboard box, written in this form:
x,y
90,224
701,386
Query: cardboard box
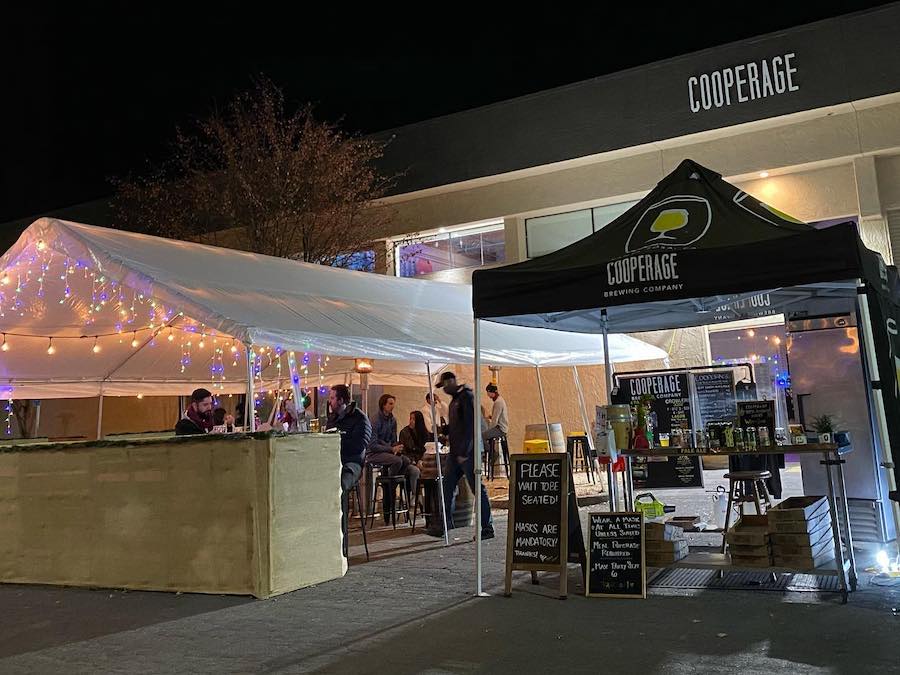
x,y
662,531
810,546
804,562
798,508
742,551
749,531
657,545
751,561
821,521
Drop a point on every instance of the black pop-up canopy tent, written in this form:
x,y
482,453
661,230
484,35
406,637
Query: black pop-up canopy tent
x,y
697,250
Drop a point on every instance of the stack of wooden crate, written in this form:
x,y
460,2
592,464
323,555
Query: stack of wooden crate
x,y
664,544
748,542
802,538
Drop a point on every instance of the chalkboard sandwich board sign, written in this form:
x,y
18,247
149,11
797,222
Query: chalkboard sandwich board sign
x,y
537,537
615,555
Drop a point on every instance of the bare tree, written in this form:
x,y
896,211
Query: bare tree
x,y
262,178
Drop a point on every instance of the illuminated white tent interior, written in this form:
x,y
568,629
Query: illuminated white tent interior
x,y
88,311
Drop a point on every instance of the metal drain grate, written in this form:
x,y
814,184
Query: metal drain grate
x,y
739,581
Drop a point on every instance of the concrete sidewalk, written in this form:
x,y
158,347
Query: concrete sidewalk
x,y
414,613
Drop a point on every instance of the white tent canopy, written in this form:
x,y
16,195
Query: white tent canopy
x,y
130,313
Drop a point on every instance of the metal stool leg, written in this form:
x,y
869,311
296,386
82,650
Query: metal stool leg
x,y
731,489
362,520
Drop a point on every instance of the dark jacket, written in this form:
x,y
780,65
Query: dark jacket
x,y
356,434
188,427
461,428
412,447
384,433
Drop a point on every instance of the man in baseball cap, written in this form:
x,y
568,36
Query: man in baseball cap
x,y
461,460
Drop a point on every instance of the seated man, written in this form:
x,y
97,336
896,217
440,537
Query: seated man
x,y
498,421
198,418
387,451
356,432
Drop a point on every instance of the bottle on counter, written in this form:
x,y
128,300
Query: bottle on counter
x,y
750,441
739,438
729,435
764,439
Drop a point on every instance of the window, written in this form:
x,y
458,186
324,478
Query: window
x,y
550,233
546,234
361,261
471,247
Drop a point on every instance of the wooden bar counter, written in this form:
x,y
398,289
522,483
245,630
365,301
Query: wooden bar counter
x,y
246,514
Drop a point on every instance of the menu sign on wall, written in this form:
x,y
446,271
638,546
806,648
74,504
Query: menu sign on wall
x,y
671,404
616,566
538,530
758,414
715,396
671,398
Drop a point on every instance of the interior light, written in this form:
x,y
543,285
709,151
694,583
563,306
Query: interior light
x,y
763,174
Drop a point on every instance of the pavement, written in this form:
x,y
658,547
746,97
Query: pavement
x,y
411,610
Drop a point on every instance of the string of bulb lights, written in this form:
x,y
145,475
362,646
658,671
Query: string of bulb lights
x,y
46,274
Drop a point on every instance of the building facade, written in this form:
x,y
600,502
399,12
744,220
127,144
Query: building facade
x,y
806,119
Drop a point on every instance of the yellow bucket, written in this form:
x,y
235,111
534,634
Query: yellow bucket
x,y
536,446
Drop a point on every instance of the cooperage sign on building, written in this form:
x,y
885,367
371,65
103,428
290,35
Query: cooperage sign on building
x,y
743,83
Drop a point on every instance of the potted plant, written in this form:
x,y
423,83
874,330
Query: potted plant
x,y
823,425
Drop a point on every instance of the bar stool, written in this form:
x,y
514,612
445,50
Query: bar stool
x,y
388,485
371,484
362,519
738,494
578,443
492,455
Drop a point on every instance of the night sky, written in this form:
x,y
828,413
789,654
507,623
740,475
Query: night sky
x,y
93,90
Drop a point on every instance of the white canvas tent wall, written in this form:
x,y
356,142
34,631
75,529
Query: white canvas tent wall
x,y
71,282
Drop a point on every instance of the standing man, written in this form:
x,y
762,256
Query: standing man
x,y
356,433
499,418
461,459
198,418
440,412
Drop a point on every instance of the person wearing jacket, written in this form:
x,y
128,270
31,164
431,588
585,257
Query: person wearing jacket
x,y
461,459
356,434
414,437
386,451
198,418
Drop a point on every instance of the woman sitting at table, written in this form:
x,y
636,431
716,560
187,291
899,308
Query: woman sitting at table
x,y
414,437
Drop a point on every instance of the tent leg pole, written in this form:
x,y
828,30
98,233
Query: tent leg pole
x,y
585,414
437,455
608,380
100,415
250,420
585,421
537,370
476,448
867,344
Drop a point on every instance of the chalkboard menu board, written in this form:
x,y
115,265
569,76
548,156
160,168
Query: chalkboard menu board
x,y
671,398
671,403
715,395
684,471
538,527
616,566
758,414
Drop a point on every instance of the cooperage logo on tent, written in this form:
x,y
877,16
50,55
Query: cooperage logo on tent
x,y
674,222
